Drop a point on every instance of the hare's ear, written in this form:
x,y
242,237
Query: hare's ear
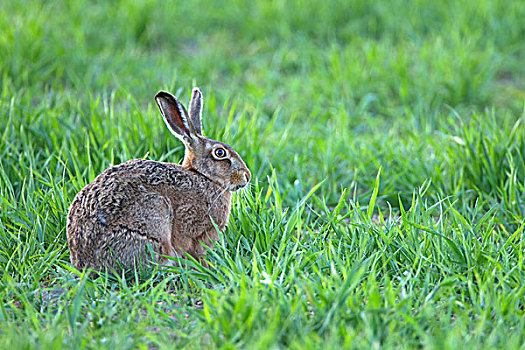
x,y
196,110
174,115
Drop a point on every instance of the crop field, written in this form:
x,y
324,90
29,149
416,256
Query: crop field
x,y
386,141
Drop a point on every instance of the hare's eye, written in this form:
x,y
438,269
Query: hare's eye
x,y
220,153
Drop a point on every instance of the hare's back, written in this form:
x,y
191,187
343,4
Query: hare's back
x,y
122,186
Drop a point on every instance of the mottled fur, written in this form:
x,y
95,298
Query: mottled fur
x,y
167,206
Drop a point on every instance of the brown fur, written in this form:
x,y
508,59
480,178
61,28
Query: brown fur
x,y
167,206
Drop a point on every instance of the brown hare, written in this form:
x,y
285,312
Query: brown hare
x,y
171,208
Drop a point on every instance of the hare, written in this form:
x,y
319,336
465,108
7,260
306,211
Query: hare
x,y
169,207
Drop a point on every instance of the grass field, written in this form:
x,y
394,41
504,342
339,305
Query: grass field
x,y
386,141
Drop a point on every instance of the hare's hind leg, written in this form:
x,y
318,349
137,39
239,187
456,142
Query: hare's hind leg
x,y
148,224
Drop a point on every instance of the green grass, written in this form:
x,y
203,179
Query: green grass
x,y
387,144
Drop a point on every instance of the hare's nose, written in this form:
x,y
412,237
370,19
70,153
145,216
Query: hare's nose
x,y
247,176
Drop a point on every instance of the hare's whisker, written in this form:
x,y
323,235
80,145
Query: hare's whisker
x,y
215,200
219,189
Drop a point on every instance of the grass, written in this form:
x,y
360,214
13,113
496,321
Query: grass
x,y
387,144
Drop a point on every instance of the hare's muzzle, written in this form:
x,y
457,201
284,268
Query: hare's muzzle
x,y
240,179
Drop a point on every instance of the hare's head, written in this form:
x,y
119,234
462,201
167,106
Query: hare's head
x,y
213,159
